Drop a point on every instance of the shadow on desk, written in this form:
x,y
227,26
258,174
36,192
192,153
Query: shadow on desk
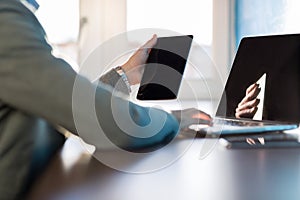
x,y
71,168
224,174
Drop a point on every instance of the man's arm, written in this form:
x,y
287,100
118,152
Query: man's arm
x,y
131,72
34,81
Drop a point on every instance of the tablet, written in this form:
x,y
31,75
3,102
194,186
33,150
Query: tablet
x,y
164,68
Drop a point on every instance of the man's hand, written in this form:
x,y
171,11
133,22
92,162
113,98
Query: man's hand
x,y
134,67
248,106
191,116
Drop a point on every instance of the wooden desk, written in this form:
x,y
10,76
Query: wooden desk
x,y
223,174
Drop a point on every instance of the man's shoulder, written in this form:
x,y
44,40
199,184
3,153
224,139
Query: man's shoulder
x,y
17,18
9,6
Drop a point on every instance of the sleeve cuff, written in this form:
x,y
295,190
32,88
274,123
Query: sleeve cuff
x,y
113,79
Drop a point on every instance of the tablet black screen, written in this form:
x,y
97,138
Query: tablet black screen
x,y
164,68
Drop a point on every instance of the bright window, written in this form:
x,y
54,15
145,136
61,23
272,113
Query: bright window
x,y
258,17
60,19
186,17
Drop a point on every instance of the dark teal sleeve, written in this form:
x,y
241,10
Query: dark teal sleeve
x,y
34,81
131,126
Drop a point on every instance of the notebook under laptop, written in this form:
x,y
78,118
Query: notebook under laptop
x,y
273,61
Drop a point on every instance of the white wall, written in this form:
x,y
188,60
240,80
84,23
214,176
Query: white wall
x,y
103,19
223,35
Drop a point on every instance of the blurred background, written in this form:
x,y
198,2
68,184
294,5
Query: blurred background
x,y
217,26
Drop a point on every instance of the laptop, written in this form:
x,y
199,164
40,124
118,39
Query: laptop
x,y
274,63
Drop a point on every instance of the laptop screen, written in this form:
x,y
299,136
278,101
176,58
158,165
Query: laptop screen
x,y
278,57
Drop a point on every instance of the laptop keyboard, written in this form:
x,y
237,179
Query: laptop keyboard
x,y
236,122
237,126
